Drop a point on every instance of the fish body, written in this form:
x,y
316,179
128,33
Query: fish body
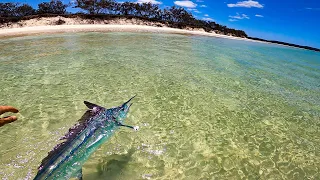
x,y
98,124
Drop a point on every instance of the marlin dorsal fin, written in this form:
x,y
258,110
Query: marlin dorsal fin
x,y
91,105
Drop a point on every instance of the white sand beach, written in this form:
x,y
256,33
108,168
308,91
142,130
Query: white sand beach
x,y
47,25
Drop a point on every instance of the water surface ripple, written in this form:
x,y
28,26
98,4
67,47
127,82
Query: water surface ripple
x,y
208,108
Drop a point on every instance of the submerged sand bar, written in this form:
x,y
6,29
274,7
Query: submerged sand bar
x,y
5,32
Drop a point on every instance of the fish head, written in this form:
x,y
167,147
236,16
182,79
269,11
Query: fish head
x,y
121,112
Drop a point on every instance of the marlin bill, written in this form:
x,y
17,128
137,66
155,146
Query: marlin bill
x,y
95,127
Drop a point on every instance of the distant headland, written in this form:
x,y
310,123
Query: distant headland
x,y
17,15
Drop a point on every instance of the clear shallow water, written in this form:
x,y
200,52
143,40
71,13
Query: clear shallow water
x,y
208,108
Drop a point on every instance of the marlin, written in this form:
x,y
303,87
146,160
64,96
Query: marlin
x,y
96,126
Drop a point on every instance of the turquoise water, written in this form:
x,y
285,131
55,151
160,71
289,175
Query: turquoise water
x,y
208,108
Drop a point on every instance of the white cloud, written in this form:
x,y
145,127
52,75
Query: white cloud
x,y
232,20
203,6
308,8
258,15
208,19
245,16
246,4
239,16
199,1
194,10
187,4
151,1
206,15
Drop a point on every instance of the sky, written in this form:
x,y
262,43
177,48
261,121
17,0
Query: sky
x,y
293,21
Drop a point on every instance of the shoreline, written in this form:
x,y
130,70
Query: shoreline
x,y
61,24
34,30
77,24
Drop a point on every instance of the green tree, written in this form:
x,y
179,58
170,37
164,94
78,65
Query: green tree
x,y
95,6
25,10
8,9
52,7
179,15
107,6
149,10
127,8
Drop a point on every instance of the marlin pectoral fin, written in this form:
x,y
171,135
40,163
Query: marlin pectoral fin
x,y
126,126
91,105
136,128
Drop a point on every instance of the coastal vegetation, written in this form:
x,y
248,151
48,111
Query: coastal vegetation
x,y
175,17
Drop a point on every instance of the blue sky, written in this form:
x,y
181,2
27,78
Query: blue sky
x,y
293,21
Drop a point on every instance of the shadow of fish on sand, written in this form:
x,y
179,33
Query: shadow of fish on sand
x,y
111,167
